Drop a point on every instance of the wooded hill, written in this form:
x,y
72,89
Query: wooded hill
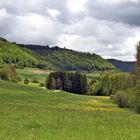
x,y
54,58
65,59
21,57
124,66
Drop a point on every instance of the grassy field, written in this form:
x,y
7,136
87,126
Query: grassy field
x,y
31,74
93,76
32,113
41,75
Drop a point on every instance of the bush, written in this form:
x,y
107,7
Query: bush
x,y
135,99
42,85
129,98
26,81
95,88
122,99
137,104
35,80
8,73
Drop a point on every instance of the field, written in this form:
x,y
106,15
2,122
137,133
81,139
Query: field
x,y
33,113
41,75
92,76
31,74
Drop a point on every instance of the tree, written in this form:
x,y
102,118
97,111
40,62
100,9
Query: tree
x,y
67,81
137,73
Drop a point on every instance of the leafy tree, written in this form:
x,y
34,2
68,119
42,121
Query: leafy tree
x,y
67,81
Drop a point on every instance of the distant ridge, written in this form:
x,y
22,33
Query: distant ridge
x,y
3,39
124,66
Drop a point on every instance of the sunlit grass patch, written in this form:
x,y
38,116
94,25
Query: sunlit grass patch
x,y
32,113
99,105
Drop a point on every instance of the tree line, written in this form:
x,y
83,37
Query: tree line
x,y
68,81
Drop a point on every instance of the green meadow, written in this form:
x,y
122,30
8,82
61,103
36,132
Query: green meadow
x,y
41,75
33,113
32,73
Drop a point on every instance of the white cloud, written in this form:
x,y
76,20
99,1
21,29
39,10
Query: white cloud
x,y
53,13
106,27
76,5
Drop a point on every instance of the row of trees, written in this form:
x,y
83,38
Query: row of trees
x,y
131,96
68,81
109,83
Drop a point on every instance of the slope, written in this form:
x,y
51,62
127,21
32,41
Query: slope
x,y
124,66
65,59
13,54
28,113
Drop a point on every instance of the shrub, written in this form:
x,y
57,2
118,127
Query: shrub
x,y
26,81
95,88
129,98
8,73
135,99
19,78
122,98
42,85
35,80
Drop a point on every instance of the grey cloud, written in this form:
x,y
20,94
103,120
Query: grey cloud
x,y
20,7
127,12
101,28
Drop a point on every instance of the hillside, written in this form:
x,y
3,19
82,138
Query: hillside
x,y
65,59
40,114
123,65
13,54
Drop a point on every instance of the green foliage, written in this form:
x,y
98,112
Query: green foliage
x,y
35,80
64,59
51,58
109,83
67,81
42,84
122,98
135,99
8,73
71,60
129,98
95,88
13,54
136,104
26,81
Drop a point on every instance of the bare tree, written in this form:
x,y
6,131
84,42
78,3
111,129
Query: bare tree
x,y
138,55
137,70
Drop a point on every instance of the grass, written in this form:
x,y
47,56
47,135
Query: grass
x,y
93,76
28,73
32,113
31,73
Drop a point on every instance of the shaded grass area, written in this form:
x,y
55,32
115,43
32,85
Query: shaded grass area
x,y
30,113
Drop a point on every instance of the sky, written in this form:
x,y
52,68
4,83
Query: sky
x,y
110,28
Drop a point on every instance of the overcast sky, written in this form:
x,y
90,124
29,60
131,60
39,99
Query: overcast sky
x,y
110,28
